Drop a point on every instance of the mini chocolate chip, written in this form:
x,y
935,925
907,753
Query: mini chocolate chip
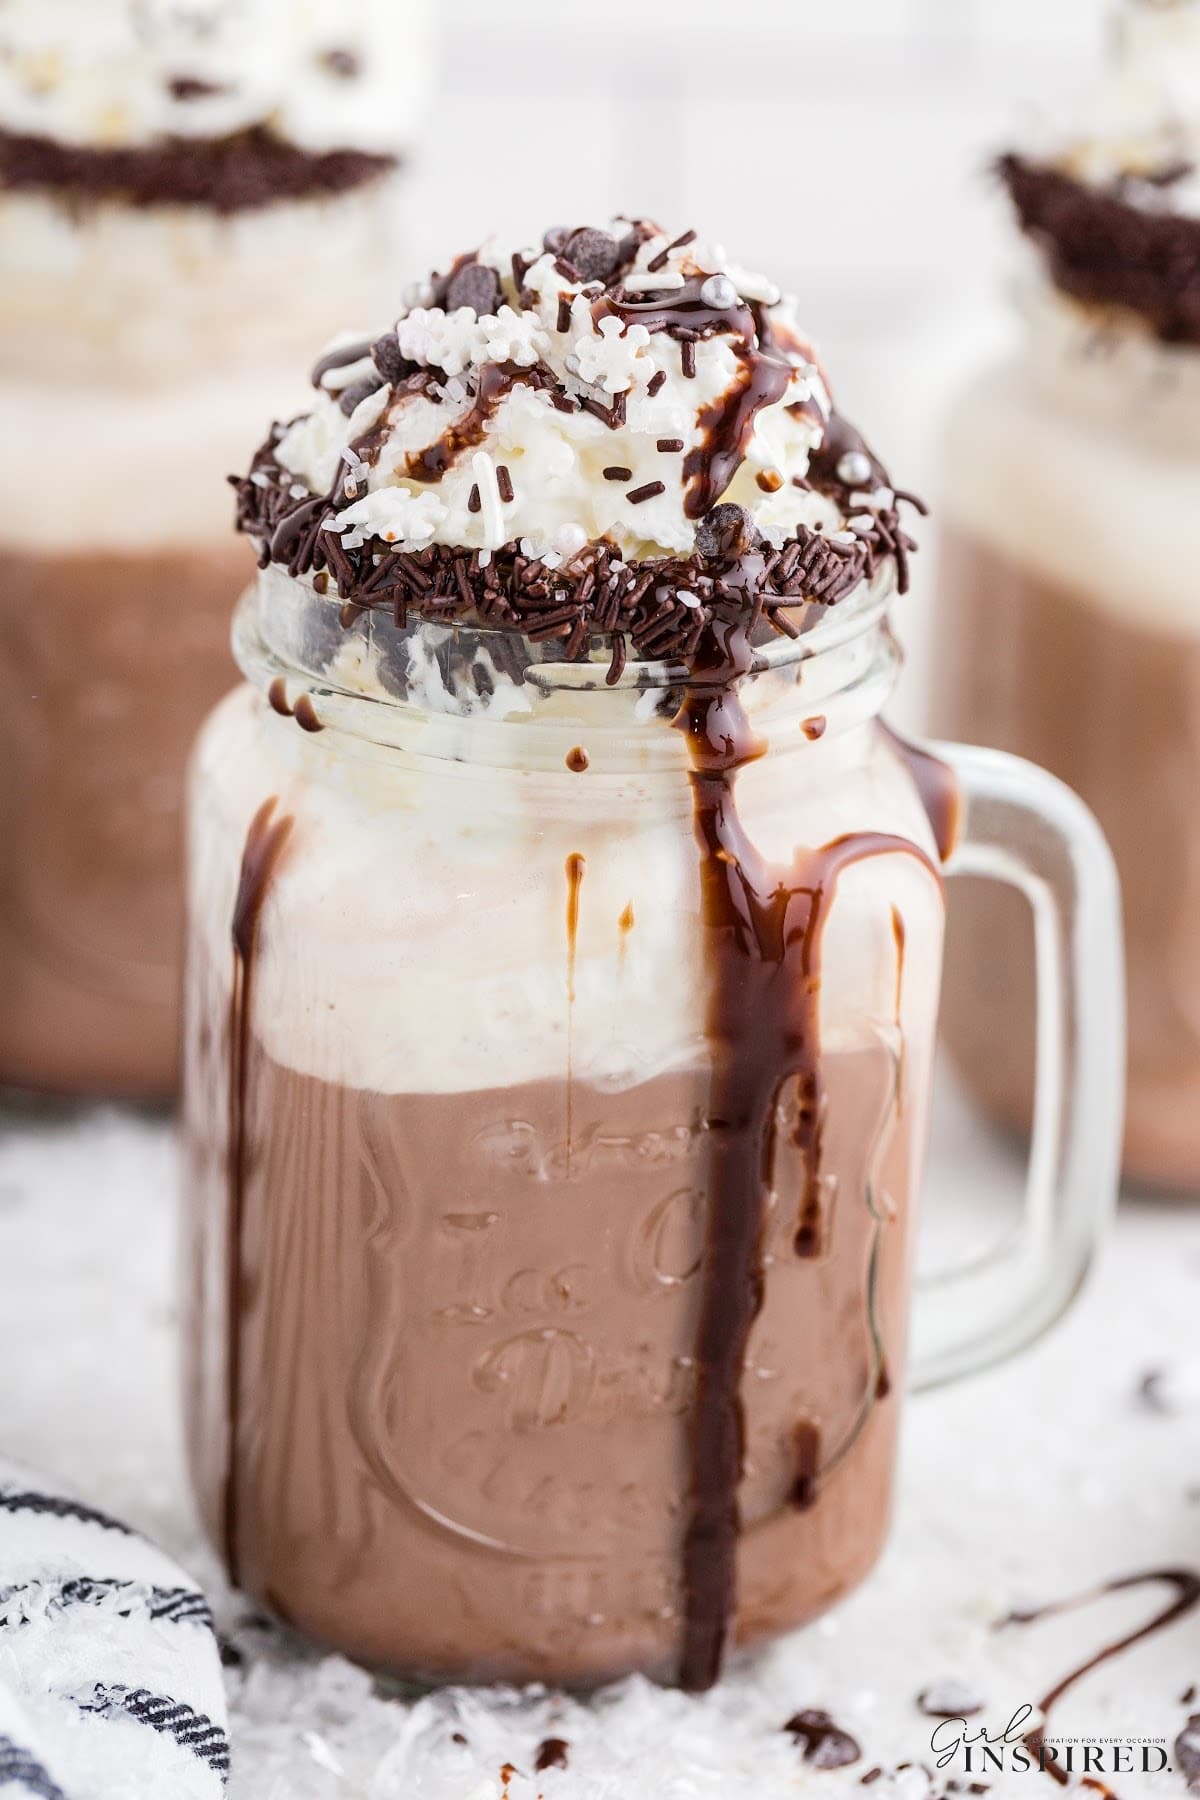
x,y
949,1699
826,1745
342,63
350,397
476,286
1187,1752
388,359
555,238
725,532
1171,1392
594,253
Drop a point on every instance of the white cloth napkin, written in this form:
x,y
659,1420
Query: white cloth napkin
x,y
110,1674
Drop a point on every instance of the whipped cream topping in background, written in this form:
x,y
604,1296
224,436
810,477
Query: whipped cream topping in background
x,y
321,74
575,478
1145,119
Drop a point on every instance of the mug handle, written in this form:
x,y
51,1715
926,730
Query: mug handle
x,y
1022,826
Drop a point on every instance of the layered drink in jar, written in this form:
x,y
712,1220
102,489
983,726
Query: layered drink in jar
x,y
1069,623
565,934
184,192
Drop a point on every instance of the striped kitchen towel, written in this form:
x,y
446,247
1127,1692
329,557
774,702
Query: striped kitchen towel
x,y
110,1675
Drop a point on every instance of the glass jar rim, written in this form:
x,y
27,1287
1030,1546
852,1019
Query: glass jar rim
x,y
268,614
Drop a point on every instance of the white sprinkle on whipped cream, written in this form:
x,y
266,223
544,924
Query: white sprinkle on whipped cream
x,y
556,458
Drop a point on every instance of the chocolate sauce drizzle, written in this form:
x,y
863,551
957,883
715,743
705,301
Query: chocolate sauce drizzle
x,y
266,843
1186,1583
303,711
576,868
496,382
937,785
763,927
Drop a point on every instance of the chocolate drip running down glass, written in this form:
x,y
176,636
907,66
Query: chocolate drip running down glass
x,y
1068,629
165,172
564,966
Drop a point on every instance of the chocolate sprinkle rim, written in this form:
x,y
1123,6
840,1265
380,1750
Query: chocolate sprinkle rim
x,y
1104,250
633,608
241,172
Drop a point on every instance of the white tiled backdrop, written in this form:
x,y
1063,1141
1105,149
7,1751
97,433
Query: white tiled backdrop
x,y
840,144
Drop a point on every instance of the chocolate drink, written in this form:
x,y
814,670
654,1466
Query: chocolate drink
x,y
164,174
1067,627
1113,708
565,946
515,1430
106,662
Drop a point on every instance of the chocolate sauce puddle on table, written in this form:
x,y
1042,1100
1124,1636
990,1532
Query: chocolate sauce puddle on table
x,y
763,927
266,842
1186,1583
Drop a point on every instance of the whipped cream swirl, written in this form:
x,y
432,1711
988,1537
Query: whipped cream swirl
x,y
612,386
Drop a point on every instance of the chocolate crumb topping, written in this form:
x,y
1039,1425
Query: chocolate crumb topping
x,y
1106,251
239,173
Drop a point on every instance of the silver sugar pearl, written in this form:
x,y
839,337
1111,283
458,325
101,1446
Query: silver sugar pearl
x,y
719,292
855,468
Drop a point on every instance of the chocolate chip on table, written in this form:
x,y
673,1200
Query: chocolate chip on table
x,y
476,286
949,1700
342,63
1187,1752
555,238
826,1745
594,253
1171,1392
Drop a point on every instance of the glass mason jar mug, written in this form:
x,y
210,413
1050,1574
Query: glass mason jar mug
x,y
555,1105
1067,632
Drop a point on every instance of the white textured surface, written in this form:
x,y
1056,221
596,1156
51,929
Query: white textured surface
x,y
1034,1481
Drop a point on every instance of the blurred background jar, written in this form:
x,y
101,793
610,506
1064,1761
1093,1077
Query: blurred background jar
x,y
1068,621
188,194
